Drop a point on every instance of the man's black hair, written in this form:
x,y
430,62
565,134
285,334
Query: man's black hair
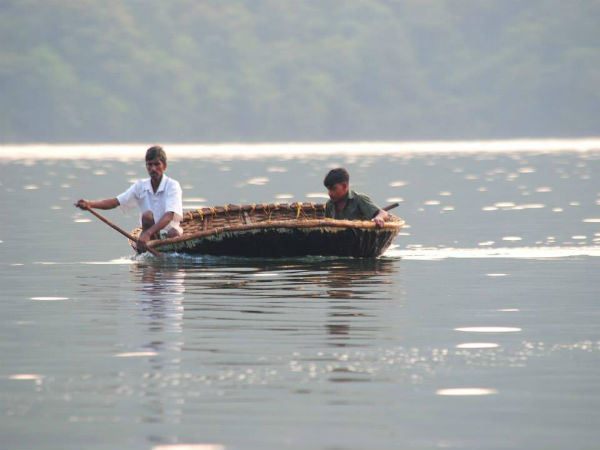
x,y
156,151
334,176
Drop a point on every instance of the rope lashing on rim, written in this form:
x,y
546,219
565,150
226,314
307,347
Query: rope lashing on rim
x,y
267,210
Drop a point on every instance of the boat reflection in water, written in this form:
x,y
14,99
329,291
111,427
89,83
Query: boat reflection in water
x,y
298,296
219,324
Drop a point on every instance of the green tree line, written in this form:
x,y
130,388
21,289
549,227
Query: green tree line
x,y
303,70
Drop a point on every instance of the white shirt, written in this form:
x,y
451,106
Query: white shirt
x,y
166,199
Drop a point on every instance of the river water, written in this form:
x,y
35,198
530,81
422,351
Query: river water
x,y
478,329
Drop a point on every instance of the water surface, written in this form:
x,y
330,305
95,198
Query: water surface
x,y
477,330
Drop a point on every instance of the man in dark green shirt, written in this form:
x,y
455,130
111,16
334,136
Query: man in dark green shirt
x,y
347,204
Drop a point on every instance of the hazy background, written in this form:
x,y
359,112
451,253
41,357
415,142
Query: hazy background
x,y
272,70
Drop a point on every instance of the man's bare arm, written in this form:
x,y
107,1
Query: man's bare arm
x,y
108,203
163,222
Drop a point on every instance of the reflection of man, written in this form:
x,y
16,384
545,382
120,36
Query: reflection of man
x,y
160,296
350,281
158,198
347,204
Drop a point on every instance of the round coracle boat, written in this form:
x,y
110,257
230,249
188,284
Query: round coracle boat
x,y
280,229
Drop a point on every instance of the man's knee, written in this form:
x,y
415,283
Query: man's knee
x,y
173,232
147,219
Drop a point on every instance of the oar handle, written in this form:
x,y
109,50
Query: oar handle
x,y
120,230
392,206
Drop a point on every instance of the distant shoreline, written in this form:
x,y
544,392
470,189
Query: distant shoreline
x,y
295,149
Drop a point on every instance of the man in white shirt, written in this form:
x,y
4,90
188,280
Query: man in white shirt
x,y
158,197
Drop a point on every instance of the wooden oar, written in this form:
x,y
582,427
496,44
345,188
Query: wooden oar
x,y
123,232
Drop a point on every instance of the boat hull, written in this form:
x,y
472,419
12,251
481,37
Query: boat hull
x,y
271,230
286,242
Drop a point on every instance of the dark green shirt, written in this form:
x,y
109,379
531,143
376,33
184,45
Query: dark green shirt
x,y
358,207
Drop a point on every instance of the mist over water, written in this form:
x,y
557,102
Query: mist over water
x,y
478,326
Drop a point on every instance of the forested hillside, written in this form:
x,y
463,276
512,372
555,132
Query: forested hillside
x,y
275,70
